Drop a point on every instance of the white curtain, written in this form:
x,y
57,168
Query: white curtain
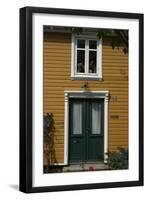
x,y
96,118
77,118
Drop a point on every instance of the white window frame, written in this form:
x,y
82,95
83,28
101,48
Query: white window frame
x,y
86,74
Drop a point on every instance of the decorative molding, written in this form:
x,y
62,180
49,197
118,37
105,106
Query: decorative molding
x,y
106,127
66,125
83,94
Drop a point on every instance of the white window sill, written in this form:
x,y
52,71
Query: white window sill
x,y
87,78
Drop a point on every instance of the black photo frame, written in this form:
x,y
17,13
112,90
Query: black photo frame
x,y
26,99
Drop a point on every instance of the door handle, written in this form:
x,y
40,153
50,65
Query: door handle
x,y
75,141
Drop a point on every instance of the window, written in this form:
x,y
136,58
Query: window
x,y
87,57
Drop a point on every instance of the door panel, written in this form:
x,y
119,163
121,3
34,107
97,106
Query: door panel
x,y
77,134
95,148
86,130
77,118
96,110
95,136
77,149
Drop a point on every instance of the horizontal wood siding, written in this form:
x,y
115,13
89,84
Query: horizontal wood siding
x,y
57,78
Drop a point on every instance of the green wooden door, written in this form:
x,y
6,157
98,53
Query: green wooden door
x,y
86,140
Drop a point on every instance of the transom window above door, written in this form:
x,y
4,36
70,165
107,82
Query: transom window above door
x,y
86,57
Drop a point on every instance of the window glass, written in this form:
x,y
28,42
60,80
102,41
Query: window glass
x,y
80,43
96,118
92,61
77,118
92,44
80,61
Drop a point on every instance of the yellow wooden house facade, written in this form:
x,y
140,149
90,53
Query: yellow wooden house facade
x,y
86,90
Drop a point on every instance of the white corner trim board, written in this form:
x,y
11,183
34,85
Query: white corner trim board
x,y
83,94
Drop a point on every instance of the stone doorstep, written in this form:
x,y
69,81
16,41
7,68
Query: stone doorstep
x,y
85,167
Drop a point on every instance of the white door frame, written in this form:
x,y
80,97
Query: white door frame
x,y
85,94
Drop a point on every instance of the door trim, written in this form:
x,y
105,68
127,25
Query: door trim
x,y
82,94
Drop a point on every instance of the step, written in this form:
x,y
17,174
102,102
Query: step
x,y
85,167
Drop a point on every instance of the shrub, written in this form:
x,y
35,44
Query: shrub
x,y
118,159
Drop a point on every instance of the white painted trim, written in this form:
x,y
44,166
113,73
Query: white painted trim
x,y
86,57
82,94
66,127
57,164
106,127
99,58
87,35
91,92
72,55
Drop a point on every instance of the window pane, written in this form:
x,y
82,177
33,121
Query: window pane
x,y
92,61
77,118
92,44
96,118
80,61
80,43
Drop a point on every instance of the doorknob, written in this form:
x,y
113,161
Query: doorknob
x,y
75,141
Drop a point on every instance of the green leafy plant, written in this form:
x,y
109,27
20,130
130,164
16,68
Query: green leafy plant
x,y
118,159
117,37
